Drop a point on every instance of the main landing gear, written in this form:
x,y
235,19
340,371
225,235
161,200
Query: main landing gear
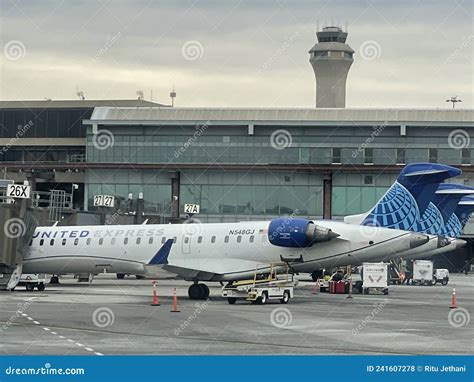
x,y
198,291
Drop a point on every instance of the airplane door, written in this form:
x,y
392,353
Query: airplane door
x,y
186,244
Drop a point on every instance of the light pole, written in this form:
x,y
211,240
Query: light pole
x,y
454,100
74,187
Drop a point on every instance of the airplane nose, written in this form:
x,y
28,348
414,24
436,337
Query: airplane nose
x,y
417,239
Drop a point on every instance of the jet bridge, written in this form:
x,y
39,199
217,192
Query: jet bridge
x,y
17,226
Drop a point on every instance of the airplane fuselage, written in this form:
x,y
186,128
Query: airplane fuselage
x,y
214,251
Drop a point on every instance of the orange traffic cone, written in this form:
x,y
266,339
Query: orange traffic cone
x,y
453,300
316,287
155,297
175,303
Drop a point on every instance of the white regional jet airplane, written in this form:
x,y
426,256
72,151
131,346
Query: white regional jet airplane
x,y
211,252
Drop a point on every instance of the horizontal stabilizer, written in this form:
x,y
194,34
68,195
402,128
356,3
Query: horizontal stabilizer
x,y
467,201
431,172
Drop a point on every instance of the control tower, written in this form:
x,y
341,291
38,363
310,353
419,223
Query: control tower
x,y
331,59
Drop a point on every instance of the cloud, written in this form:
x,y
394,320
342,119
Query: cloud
x,y
110,49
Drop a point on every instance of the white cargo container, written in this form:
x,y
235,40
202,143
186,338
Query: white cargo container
x,y
422,272
375,276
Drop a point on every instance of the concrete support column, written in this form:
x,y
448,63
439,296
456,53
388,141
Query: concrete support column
x,y
175,188
327,195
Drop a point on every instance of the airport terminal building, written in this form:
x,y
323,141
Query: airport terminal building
x,y
236,163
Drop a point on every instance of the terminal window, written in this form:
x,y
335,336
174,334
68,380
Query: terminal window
x,y
336,156
434,155
400,156
368,156
465,156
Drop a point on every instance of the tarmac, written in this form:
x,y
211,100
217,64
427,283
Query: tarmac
x,y
113,316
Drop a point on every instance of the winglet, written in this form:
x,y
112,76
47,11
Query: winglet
x,y
161,256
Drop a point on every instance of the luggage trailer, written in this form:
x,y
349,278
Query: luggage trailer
x,y
261,290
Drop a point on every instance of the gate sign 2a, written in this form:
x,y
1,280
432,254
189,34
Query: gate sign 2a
x,y
104,201
191,208
18,191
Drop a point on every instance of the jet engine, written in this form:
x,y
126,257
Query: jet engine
x,y
297,232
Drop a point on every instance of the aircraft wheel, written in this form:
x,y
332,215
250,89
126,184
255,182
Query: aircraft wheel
x,y
231,300
204,291
30,287
41,287
54,280
194,292
120,276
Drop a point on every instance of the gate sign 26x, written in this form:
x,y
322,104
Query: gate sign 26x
x,y
18,191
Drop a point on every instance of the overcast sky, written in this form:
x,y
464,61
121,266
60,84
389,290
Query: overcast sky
x,y
235,53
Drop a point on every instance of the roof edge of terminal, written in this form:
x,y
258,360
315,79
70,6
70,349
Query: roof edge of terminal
x,y
74,103
380,115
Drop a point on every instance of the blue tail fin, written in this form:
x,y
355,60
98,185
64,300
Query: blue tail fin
x,y
406,205
446,201
461,216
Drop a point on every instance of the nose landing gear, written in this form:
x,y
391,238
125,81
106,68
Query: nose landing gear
x,y
198,291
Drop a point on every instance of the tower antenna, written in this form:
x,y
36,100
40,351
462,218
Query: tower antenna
x,y
80,94
173,96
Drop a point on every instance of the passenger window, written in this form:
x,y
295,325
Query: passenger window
x,y
51,242
88,241
239,239
64,241
125,241
76,241
101,241
200,239
150,240
31,242
186,240
226,239
41,242
251,238
163,240
213,239
174,239
113,241
139,239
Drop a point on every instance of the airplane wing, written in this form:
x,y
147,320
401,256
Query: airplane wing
x,y
208,269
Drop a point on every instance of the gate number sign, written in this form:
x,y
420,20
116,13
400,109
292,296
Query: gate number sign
x,y
191,208
18,191
104,201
